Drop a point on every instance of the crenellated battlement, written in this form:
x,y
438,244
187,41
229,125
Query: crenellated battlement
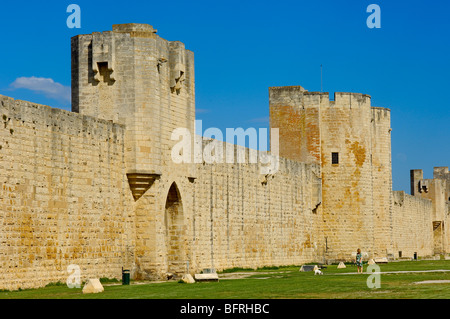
x,y
347,99
298,96
437,190
306,118
133,77
133,27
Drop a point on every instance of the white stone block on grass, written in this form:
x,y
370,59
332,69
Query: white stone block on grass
x,y
93,286
206,277
188,279
381,260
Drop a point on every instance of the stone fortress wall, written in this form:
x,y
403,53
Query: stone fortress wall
x,y
351,141
66,199
63,195
98,188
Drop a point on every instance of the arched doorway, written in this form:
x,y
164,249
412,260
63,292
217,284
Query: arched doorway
x,y
175,232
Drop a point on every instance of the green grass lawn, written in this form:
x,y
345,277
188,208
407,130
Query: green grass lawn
x,y
271,283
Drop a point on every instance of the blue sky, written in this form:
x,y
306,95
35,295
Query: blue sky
x,y
243,48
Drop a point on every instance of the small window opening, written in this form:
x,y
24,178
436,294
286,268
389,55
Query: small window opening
x,y
334,158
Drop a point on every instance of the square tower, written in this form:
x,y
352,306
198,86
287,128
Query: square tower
x,y
133,77
351,141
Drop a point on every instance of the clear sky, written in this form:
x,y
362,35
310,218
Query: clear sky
x,y
244,47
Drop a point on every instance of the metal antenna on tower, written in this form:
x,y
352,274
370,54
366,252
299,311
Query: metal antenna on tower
x,y
321,79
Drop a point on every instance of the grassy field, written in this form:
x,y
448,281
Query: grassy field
x,y
276,283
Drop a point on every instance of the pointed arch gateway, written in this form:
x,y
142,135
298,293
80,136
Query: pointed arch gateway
x,y
175,232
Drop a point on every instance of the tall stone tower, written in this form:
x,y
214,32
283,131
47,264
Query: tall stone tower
x,y
350,140
133,77
437,190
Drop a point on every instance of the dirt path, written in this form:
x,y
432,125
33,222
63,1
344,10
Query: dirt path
x,y
240,275
433,282
393,272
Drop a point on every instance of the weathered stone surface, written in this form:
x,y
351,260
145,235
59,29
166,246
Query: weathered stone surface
x,y
93,286
206,277
308,268
98,187
341,265
381,260
187,278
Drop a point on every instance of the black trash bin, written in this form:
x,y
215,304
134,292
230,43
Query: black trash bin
x,y
415,256
125,277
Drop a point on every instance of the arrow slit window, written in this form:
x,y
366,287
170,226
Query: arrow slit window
x,y
335,158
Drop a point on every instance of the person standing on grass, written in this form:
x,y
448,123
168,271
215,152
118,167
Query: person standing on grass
x,y
358,260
